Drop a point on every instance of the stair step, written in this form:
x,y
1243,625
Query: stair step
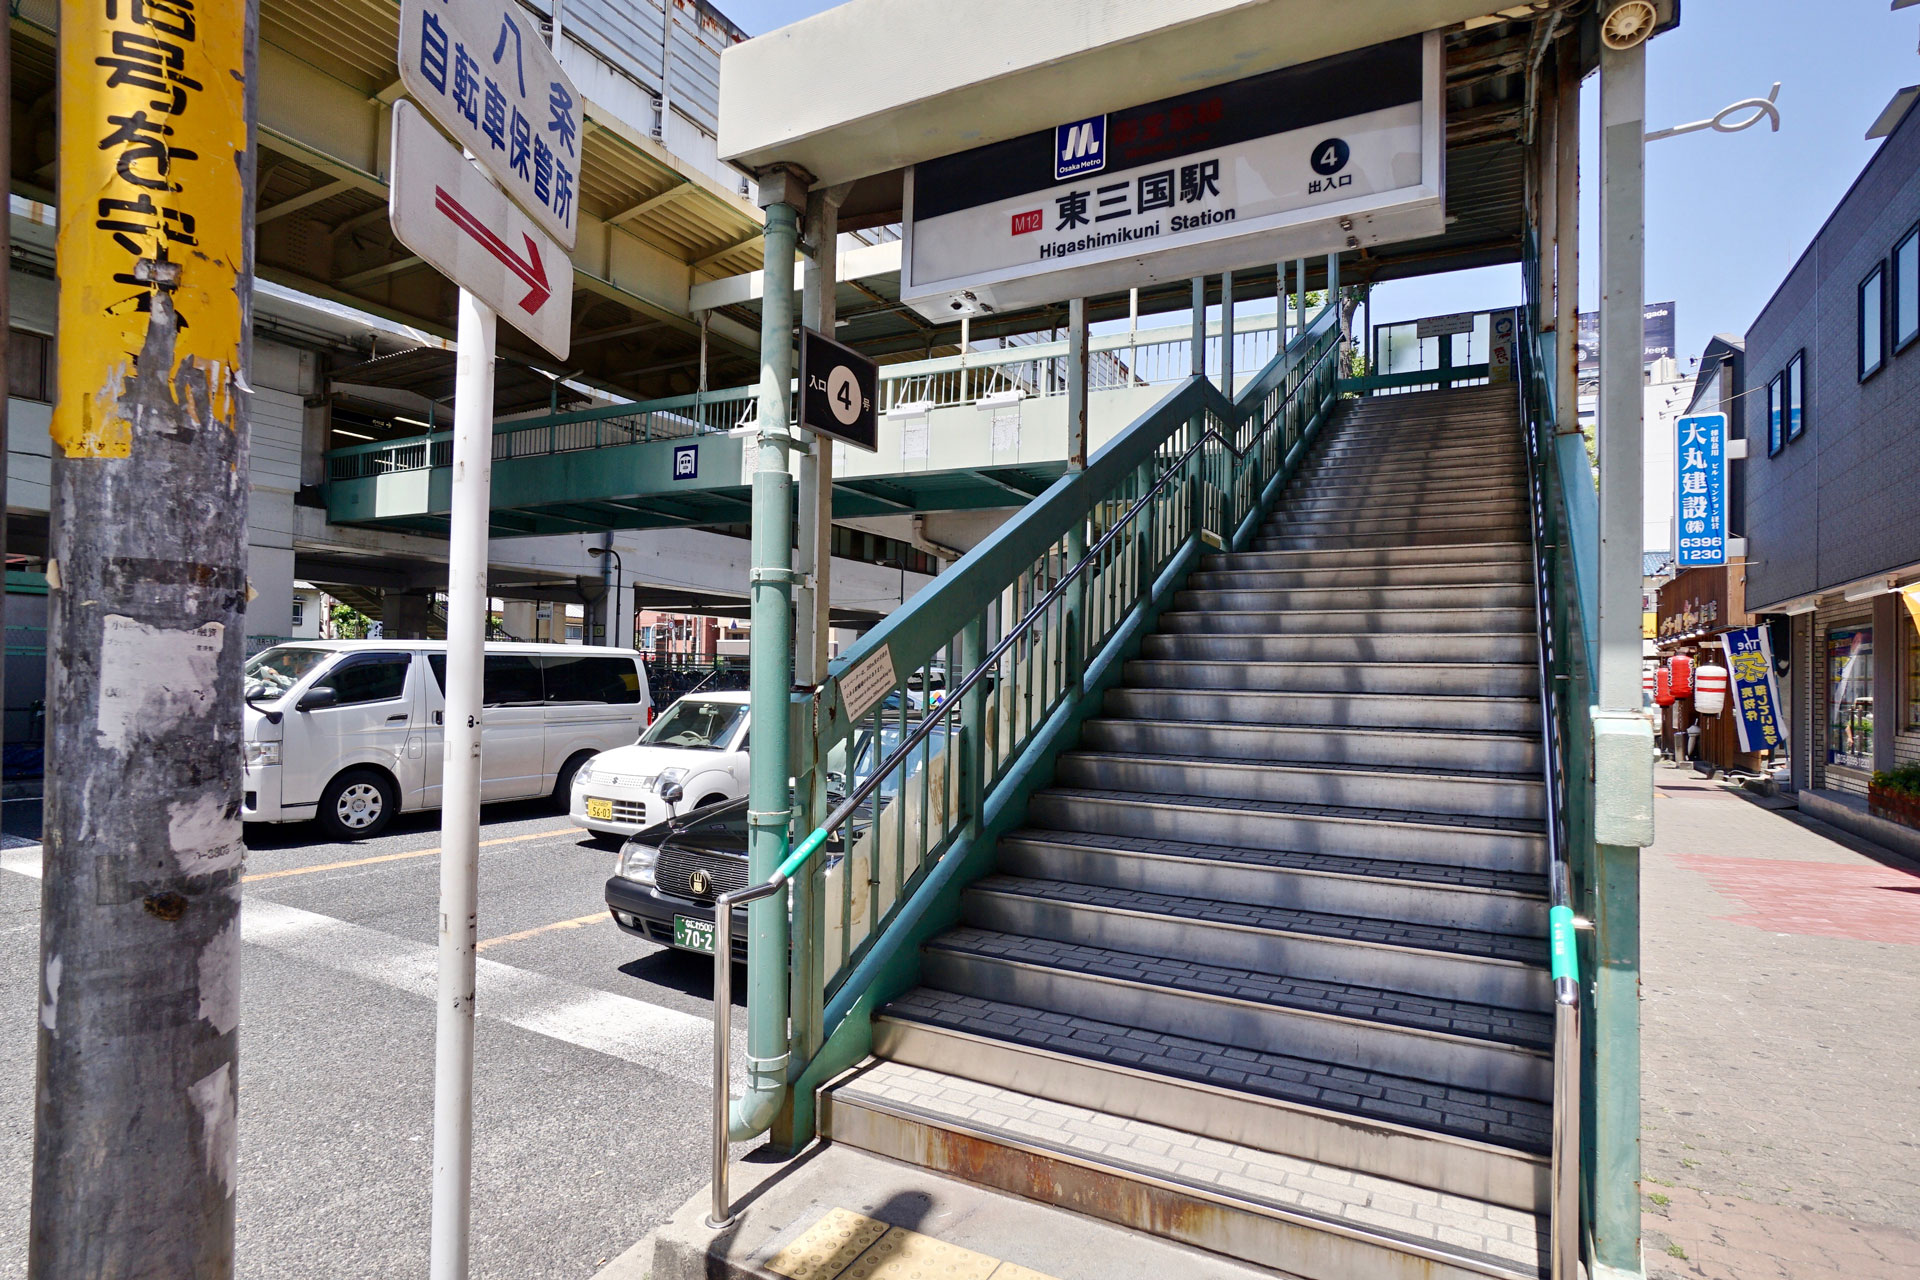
x,y
1377,557
1242,1008
1346,621
1507,844
1263,706
1422,790
1308,541
1362,520
1411,679
1435,500
1150,1082
1462,574
1264,1209
1330,953
1486,595
1377,888
1453,647
1446,750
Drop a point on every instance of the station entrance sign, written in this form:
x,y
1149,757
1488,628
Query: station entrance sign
x,y
839,390
1329,155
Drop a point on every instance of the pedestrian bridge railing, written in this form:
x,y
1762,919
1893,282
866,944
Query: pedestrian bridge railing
x,y
1132,358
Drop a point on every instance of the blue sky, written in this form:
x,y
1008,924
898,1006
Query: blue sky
x,y
1727,214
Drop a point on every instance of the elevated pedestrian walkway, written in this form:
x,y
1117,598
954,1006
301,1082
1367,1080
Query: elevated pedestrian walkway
x,y
982,430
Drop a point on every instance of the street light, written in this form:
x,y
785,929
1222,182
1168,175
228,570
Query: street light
x,y
618,575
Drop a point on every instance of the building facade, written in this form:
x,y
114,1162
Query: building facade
x,y
1832,481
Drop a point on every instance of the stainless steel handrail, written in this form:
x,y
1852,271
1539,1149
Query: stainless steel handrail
x,y
1564,1211
720,1214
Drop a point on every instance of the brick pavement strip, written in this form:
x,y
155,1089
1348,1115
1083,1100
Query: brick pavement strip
x,y
1781,1123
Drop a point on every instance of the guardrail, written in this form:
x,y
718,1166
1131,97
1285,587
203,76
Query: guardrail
x,y
1032,621
1135,358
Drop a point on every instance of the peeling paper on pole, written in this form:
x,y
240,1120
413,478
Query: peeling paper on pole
x,y
153,680
152,144
213,1098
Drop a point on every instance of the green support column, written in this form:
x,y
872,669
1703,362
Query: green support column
x,y
769,798
1623,737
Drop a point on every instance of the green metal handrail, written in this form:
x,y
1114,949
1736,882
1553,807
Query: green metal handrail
x,y
1566,683
1029,623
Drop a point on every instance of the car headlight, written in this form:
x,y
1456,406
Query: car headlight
x,y
666,776
583,775
637,863
263,753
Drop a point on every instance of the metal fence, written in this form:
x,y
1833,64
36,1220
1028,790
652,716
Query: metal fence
x,y
1119,361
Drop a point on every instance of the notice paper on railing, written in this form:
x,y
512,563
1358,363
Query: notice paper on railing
x,y
863,687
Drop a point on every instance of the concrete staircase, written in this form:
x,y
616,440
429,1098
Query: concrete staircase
x,y
1266,971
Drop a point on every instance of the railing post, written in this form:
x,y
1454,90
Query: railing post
x,y
973,724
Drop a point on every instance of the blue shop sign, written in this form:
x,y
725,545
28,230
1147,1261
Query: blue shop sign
x,y
1700,490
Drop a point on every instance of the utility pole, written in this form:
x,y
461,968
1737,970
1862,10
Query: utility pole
x,y
139,991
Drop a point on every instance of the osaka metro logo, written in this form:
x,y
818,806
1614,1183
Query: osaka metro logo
x,y
1080,147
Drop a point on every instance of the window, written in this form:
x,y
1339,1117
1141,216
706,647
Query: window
x,y
299,612
1850,697
646,638
1796,394
29,366
1775,398
696,725
369,677
1913,663
591,680
512,680
1872,326
1906,289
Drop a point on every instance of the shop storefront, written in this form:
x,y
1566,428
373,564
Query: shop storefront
x,y
1694,612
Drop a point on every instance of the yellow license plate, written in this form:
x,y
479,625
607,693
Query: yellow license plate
x,y
600,810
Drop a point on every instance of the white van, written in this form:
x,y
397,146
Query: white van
x,y
350,731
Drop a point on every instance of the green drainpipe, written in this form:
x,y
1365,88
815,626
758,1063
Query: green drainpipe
x,y
769,795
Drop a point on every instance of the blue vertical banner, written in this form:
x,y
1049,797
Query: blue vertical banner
x,y
1756,695
1700,491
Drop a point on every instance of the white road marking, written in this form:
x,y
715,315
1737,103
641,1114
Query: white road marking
x,y
673,1043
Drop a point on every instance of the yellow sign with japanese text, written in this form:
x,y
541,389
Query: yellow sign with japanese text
x,y
152,148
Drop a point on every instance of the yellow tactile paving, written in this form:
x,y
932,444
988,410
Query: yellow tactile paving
x,y
845,1245
828,1247
907,1255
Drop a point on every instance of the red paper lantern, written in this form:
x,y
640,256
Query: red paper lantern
x,y
1663,687
1710,690
1682,667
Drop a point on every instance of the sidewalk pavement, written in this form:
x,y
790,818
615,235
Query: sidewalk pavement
x,y
1780,1045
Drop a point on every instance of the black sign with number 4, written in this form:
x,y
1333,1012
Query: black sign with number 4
x,y
839,392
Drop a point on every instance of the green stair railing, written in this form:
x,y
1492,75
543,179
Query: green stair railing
x,y
1022,635
1564,524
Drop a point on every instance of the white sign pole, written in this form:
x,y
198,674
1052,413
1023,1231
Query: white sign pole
x,y
460,797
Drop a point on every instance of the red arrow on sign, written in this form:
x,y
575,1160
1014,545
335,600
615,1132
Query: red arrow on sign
x,y
530,269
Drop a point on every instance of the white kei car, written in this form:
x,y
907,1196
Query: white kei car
x,y
694,755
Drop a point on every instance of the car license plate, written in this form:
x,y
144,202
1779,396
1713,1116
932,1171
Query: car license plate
x,y
694,935
600,810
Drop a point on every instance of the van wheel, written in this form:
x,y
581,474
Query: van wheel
x,y
563,784
716,798
358,804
